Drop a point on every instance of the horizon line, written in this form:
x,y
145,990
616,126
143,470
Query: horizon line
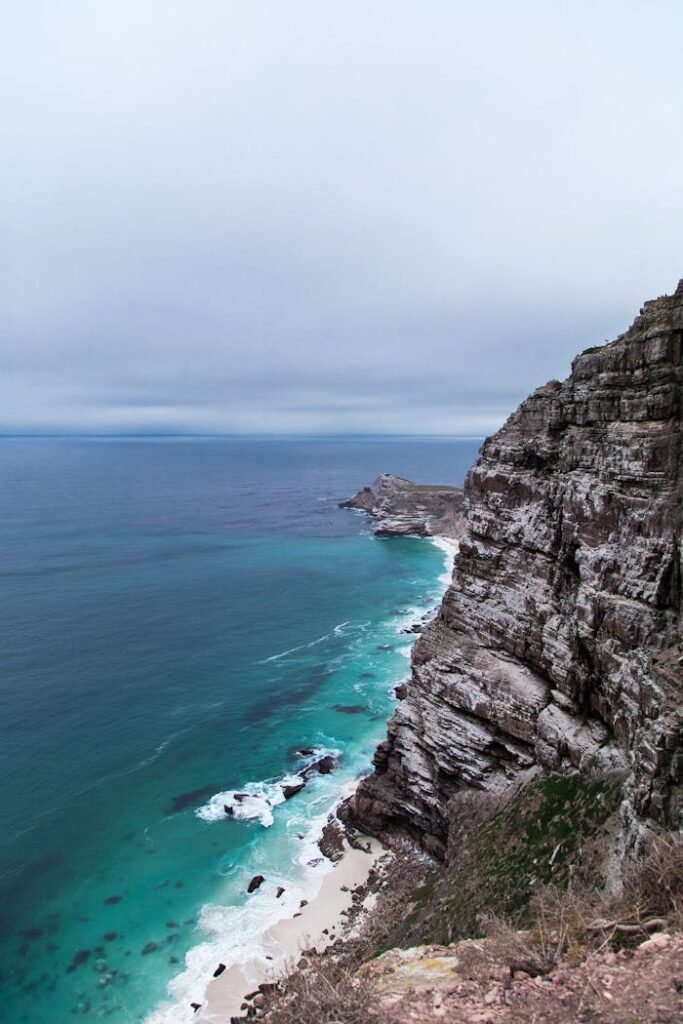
x,y
228,436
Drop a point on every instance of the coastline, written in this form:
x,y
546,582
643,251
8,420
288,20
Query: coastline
x,y
322,919
318,924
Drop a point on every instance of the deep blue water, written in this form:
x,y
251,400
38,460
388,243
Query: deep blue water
x,y
178,616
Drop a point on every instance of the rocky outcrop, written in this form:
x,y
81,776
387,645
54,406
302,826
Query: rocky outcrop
x,y
558,645
401,507
474,982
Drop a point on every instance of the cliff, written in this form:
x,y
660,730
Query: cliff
x,y
401,507
558,645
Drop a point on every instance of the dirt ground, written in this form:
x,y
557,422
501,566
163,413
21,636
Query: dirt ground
x,y
468,984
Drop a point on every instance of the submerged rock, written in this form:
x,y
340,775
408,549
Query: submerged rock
x,y
192,798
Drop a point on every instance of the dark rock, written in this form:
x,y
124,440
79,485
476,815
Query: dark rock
x,y
280,890
110,936
256,883
331,841
195,1006
150,947
401,691
239,797
219,970
323,766
229,810
292,790
79,958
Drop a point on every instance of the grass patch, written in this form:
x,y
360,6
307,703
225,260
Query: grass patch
x,y
548,832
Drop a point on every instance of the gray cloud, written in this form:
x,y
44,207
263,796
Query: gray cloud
x,y
329,217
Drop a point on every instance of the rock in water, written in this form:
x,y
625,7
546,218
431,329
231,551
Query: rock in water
x,y
256,883
558,644
290,791
324,766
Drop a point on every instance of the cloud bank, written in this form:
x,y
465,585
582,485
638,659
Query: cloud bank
x,y
310,216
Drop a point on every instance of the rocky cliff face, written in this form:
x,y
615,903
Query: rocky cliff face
x,y
558,645
401,507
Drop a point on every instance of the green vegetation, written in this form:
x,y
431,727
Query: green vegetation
x,y
549,832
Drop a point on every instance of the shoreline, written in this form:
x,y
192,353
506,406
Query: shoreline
x,y
318,925
323,918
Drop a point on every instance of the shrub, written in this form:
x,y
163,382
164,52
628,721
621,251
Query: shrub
x,y
323,992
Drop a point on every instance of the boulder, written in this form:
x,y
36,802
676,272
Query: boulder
x,y
292,790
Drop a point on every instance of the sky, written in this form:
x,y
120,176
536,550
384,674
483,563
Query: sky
x,y
306,216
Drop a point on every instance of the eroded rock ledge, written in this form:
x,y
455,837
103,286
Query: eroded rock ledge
x,y
401,507
558,645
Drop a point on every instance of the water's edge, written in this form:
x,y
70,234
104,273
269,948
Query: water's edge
x,y
236,936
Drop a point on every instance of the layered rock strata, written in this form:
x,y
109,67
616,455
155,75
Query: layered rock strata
x,y
558,645
401,507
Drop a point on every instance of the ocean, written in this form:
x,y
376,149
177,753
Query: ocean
x,y
181,617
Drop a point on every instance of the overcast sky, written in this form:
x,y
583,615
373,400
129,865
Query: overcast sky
x,y
318,216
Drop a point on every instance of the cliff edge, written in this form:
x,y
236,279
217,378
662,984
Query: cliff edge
x,y
558,645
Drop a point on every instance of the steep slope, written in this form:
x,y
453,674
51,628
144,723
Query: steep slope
x,y
558,645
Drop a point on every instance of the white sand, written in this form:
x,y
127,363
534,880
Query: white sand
x,y
286,940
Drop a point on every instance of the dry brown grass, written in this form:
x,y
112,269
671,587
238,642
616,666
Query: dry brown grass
x,y
654,888
571,923
323,992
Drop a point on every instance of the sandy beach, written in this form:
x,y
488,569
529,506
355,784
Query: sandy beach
x,y
316,925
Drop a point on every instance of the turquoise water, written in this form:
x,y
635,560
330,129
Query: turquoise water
x,y
180,616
